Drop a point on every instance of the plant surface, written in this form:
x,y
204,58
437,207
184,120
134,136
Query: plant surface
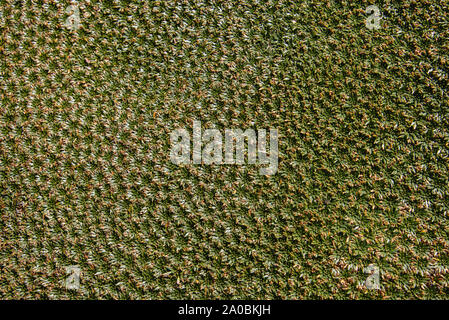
x,y
85,171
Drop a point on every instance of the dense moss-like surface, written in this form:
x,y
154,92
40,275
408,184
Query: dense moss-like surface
x,y
85,171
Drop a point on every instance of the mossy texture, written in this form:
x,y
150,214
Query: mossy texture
x,y
85,171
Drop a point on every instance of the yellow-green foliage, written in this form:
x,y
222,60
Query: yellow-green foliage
x,y
86,178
